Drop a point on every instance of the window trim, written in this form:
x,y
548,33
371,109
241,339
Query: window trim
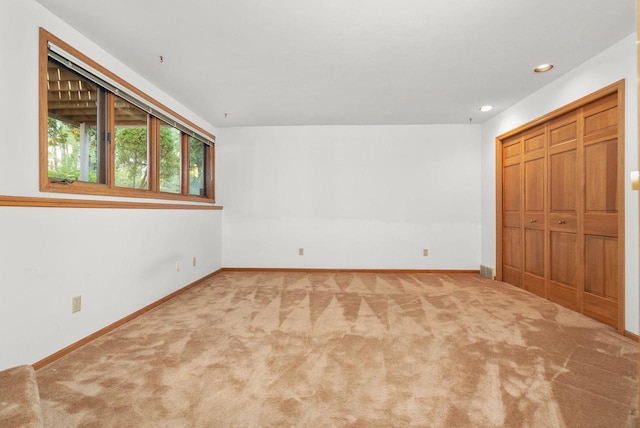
x,y
110,189
37,202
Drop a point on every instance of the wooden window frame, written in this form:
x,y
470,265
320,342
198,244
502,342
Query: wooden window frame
x,y
109,188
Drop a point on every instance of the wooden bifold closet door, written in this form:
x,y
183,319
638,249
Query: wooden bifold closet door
x,y
560,206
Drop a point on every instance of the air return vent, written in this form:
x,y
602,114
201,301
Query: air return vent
x,y
487,272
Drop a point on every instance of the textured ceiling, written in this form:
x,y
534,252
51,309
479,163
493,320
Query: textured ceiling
x,y
319,62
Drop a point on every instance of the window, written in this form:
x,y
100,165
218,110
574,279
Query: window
x,y
170,151
100,135
131,145
74,123
197,167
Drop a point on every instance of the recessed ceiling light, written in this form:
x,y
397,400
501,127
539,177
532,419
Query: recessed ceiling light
x,y
485,109
543,67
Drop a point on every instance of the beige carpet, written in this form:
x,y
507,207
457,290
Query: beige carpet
x,y
19,398
255,349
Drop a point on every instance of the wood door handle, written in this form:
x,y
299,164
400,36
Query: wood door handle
x,y
561,222
533,220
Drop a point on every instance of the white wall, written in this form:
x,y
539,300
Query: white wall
x,y
351,196
617,62
118,260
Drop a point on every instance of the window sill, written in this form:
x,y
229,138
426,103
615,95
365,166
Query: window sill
x,y
27,201
78,188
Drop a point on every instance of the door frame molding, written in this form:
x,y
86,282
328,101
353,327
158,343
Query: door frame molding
x,y
619,88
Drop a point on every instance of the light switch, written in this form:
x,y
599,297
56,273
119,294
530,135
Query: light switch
x,y
635,180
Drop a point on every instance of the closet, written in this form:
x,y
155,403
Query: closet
x,y
560,206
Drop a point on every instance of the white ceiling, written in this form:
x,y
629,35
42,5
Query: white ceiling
x,y
319,62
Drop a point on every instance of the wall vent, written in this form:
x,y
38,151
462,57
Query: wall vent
x,y
487,272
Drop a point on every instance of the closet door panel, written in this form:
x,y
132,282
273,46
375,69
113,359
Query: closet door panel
x,y
601,266
563,211
534,186
512,212
601,117
601,176
563,129
511,150
600,225
563,185
600,299
602,280
511,259
563,275
511,188
534,262
564,255
534,210
601,309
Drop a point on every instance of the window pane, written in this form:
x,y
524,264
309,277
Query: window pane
x,y
74,150
170,158
131,145
197,171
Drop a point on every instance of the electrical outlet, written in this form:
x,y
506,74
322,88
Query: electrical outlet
x,y
76,304
177,266
194,262
425,252
301,251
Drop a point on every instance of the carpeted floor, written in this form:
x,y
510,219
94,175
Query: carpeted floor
x,y
268,349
